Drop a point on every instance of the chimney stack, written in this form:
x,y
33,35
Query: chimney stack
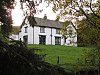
x,y
45,17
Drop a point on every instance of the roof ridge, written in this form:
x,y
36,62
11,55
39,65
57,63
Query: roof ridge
x,y
47,19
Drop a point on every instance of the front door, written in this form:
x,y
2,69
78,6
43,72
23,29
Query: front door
x,y
42,39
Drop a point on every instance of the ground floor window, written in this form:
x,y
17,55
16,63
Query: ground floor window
x,y
25,39
57,40
42,39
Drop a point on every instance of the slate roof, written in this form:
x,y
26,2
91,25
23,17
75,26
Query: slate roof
x,y
48,23
35,21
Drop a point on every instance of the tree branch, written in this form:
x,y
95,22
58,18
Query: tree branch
x,y
89,19
93,10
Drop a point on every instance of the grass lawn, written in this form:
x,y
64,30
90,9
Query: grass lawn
x,y
67,55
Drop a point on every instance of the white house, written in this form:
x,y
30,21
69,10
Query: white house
x,y
46,32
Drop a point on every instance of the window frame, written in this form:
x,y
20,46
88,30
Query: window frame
x,y
57,40
57,31
26,29
42,39
42,29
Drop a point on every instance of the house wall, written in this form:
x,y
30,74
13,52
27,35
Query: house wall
x,y
56,35
50,33
22,33
36,35
30,35
33,35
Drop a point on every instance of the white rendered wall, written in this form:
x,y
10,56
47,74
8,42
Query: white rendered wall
x,y
48,37
47,34
56,35
36,35
30,35
33,36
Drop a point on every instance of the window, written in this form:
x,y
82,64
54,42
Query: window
x,y
42,39
26,29
57,31
57,40
42,30
25,39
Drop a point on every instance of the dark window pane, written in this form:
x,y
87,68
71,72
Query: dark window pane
x,y
25,39
57,40
26,29
57,31
42,39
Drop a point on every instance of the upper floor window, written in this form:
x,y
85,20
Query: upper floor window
x,y
42,29
57,31
26,29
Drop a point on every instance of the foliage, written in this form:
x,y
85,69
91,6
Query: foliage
x,y
88,33
6,7
89,11
5,15
75,8
64,28
92,37
15,30
17,59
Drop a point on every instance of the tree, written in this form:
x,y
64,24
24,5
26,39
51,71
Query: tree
x,y
6,7
68,32
76,9
89,11
5,16
92,37
15,57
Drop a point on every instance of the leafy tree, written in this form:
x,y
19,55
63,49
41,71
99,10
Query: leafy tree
x,y
5,15
89,11
67,32
89,34
15,57
76,9
15,29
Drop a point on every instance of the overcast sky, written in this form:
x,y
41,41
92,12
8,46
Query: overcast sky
x,y
17,13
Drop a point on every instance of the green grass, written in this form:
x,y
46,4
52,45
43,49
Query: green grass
x,y
66,54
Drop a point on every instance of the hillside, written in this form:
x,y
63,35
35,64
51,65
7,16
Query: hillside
x,y
69,57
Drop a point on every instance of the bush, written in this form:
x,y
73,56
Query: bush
x,y
17,59
82,45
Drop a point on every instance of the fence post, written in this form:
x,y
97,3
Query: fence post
x,y
78,60
58,60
